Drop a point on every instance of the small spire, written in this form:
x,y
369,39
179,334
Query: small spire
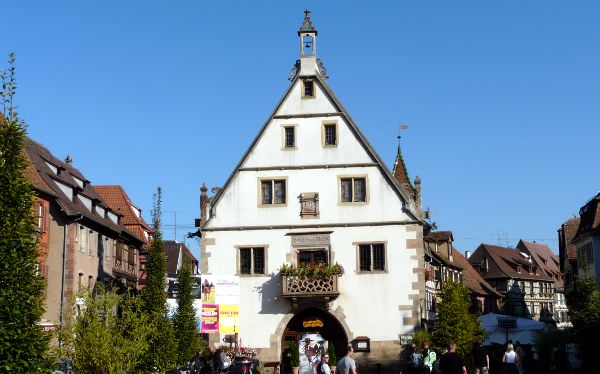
x,y
307,25
400,171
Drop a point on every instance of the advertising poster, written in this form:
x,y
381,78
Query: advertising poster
x,y
210,318
229,315
220,294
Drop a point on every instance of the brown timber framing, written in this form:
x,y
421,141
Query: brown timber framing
x,y
315,226
301,167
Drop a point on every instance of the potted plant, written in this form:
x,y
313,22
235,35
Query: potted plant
x,y
332,358
294,356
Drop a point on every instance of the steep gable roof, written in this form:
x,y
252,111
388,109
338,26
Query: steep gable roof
x,y
471,278
506,261
590,218
408,205
546,260
173,250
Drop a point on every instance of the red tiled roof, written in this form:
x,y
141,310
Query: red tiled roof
x,y
172,252
505,261
546,260
117,199
590,217
471,278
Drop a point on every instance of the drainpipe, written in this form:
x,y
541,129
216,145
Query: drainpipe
x,y
64,264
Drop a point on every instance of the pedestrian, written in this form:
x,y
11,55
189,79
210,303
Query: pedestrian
x,y
346,365
415,360
429,358
436,363
451,362
323,366
510,360
481,359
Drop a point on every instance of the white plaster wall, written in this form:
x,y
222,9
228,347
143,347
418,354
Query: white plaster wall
x,y
238,205
369,301
309,150
294,103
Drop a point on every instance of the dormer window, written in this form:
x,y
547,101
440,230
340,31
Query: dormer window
x,y
308,89
52,167
519,269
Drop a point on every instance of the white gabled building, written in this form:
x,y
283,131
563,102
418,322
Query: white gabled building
x,y
310,188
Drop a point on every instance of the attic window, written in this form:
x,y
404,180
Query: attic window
x,y
308,89
52,167
519,269
80,182
537,271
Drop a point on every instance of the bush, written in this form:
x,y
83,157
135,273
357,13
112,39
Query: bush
x,y
293,350
331,353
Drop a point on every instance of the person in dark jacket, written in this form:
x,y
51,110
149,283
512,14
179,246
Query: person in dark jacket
x,y
451,362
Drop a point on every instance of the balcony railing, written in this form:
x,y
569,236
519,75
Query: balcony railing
x,y
310,288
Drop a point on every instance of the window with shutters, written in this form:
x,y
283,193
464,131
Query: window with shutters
x,y
353,189
252,261
371,257
273,192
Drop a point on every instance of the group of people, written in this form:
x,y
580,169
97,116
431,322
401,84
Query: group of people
x,y
427,361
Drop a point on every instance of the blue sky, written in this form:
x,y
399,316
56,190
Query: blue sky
x,y
502,99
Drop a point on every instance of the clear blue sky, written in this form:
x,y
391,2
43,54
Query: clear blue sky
x,y
502,98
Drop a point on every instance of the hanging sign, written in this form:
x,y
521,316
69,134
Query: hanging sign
x,y
312,323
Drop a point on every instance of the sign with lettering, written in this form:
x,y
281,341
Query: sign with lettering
x,y
220,296
210,318
312,322
310,240
507,323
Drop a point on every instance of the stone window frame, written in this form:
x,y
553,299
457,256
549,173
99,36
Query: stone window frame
x,y
324,124
303,88
259,202
353,176
264,247
283,137
371,242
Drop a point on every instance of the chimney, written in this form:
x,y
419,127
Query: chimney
x,y
467,254
203,202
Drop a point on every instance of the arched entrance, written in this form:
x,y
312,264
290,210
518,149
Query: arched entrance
x,y
313,322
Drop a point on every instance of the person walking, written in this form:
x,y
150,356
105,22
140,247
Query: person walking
x,y
510,360
481,359
415,360
346,365
429,357
451,363
323,366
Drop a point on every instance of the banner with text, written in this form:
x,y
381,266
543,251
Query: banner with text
x,y
221,293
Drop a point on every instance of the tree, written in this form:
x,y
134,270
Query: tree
x,y
23,344
187,336
583,300
454,321
110,335
162,346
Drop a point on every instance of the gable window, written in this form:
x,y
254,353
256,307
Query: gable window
x,y
289,137
251,260
272,191
371,257
330,134
353,189
308,88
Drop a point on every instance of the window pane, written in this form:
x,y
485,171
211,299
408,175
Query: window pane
x,y
346,190
304,258
378,257
279,192
359,189
245,260
364,257
259,260
320,257
308,88
290,140
267,193
330,136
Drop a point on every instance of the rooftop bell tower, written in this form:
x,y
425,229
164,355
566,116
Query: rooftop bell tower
x,y
308,46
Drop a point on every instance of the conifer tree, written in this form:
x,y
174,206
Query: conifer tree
x,y
454,322
162,346
188,338
23,345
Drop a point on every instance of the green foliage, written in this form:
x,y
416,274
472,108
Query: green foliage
x,y
420,337
546,342
454,321
331,353
187,336
23,345
292,350
583,300
109,335
161,354
311,269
